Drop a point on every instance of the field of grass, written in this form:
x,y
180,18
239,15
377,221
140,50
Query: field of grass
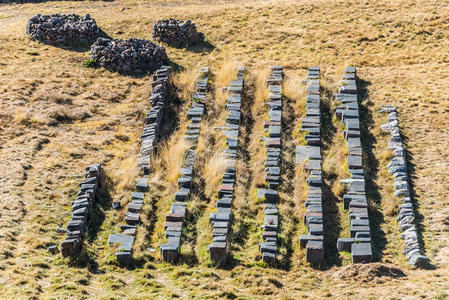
x,y
56,117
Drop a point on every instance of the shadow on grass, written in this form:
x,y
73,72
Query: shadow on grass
x,y
371,168
190,232
102,203
175,68
241,226
331,223
289,221
331,220
203,46
86,258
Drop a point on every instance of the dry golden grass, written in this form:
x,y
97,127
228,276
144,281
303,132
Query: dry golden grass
x,y
56,117
185,82
261,93
170,158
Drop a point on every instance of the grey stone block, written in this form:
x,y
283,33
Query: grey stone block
x,y
315,252
218,253
344,244
142,184
361,253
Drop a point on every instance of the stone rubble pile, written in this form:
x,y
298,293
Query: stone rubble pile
x,y
397,167
132,55
82,211
60,29
310,155
359,242
174,220
221,218
269,196
150,137
178,32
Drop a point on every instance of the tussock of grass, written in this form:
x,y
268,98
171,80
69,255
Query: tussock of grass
x,y
185,83
170,157
261,93
293,88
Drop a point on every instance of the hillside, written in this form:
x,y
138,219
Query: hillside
x,y
57,117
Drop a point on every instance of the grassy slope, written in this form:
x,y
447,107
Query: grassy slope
x,y
400,49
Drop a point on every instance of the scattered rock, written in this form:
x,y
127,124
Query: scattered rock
x,y
53,249
61,230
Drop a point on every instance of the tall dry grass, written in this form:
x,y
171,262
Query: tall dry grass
x,y
213,171
170,158
185,83
125,172
261,89
225,74
294,88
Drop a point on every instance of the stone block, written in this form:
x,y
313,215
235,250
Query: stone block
x,y
142,185
361,253
169,252
356,229
218,253
269,257
345,244
315,252
132,218
268,196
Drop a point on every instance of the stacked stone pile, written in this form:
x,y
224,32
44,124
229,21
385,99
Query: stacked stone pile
x,y
132,55
59,29
397,167
359,243
221,218
178,32
154,117
311,154
174,220
150,137
82,211
269,196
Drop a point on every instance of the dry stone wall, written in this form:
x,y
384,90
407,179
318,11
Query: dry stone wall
x,y
174,220
154,117
221,218
60,29
82,211
269,196
359,242
150,137
397,168
309,155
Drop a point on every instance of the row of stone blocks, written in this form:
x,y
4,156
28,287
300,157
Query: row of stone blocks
x,y
397,167
174,220
82,211
359,242
269,195
310,155
149,139
154,117
221,219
